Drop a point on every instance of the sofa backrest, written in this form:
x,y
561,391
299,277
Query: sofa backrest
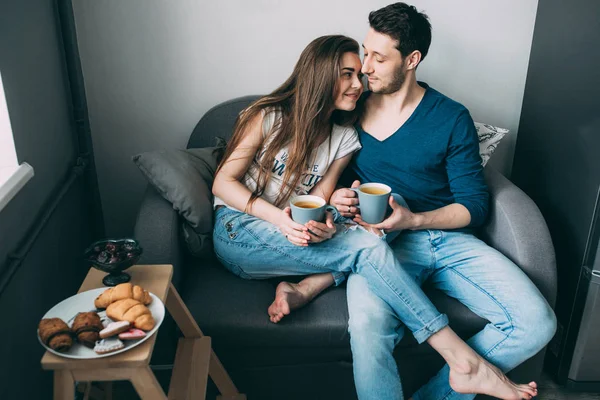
x,y
218,121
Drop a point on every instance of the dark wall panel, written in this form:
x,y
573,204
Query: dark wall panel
x,y
38,97
557,158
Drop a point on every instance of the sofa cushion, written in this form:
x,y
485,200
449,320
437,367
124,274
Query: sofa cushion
x,y
184,178
489,137
233,311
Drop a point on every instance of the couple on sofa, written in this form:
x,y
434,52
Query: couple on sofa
x,y
304,137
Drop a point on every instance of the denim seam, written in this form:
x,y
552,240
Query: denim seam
x,y
399,295
506,313
499,304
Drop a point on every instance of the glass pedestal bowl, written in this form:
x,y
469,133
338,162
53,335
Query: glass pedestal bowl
x,y
114,256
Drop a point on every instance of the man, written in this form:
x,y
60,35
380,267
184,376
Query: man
x,y
424,145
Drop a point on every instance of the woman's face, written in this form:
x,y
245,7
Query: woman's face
x,y
349,86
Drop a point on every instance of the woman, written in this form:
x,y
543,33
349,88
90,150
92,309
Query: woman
x,y
297,140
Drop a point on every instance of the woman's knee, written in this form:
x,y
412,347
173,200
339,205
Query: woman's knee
x,y
369,316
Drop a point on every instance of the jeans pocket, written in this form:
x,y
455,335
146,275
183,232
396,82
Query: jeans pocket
x,y
225,221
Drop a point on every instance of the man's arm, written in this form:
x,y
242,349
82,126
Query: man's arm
x,y
452,216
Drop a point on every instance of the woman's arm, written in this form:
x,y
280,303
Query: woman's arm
x,y
325,187
229,188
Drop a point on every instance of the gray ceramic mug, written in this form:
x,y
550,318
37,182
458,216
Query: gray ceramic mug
x,y
310,208
373,201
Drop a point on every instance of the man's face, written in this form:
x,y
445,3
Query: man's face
x,y
383,64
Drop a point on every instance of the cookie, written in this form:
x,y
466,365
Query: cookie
x,y
132,334
114,328
108,345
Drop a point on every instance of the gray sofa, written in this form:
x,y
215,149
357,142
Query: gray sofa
x,y
307,355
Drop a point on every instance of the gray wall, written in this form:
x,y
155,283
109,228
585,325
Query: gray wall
x,y
36,87
152,68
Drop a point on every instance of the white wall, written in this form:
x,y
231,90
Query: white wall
x,y
152,68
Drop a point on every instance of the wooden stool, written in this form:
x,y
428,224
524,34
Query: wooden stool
x,y
194,362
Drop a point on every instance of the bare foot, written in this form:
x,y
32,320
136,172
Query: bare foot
x,y
288,297
484,378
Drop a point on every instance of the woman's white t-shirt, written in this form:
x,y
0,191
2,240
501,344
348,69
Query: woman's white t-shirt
x,y
344,141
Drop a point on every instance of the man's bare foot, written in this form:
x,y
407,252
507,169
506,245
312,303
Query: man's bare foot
x,y
484,378
288,297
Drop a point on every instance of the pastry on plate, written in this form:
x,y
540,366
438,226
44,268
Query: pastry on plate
x,y
133,311
86,328
120,292
56,334
114,328
132,334
108,345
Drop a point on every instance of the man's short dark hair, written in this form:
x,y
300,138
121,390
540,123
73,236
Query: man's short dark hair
x,y
403,23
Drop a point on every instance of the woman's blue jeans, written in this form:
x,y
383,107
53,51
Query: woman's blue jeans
x,y
255,249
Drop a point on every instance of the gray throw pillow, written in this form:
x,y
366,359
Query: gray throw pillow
x,y
184,178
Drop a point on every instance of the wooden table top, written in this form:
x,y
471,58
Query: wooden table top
x,y
155,279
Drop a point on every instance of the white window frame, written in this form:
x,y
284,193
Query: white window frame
x,y
12,175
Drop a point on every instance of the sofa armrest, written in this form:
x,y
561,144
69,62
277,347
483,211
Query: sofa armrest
x,y
517,229
157,228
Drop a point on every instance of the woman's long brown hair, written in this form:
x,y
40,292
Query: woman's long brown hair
x,y
307,105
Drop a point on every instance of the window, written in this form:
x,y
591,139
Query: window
x,y
12,175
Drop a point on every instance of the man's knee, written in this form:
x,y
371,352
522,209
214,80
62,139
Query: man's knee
x,y
538,323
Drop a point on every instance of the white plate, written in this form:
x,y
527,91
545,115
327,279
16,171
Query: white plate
x,y
82,302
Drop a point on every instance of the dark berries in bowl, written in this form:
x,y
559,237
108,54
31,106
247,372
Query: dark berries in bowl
x,y
114,256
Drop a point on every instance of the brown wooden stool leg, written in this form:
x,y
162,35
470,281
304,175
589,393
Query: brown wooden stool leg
x,y
64,385
146,385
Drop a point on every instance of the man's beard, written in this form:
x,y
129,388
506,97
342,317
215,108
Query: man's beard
x,y
395,84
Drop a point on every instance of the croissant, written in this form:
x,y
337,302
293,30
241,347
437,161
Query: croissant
x,y
55,333
86,327
120,292
133,311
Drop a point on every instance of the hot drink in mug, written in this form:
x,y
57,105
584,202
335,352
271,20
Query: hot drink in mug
x,y
309,208
373,201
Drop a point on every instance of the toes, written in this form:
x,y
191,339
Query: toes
x,y
533,384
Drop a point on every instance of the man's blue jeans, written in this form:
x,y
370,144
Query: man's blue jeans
x,y
255,249
465,268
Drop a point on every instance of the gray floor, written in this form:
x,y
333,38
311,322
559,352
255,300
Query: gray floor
x,y
548,390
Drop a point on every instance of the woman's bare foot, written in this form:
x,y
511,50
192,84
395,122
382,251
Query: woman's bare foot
x,y
482,377
288,297
291,296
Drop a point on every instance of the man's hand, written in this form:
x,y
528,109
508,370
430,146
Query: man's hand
x,y
319,231
345,200
400,218
294,232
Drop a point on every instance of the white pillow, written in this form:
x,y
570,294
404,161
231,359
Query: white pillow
x,y
489,137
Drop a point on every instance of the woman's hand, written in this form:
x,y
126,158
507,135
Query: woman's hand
x,y
294,232
345,200
319,231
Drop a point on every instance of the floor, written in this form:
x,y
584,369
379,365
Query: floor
x,y
549,390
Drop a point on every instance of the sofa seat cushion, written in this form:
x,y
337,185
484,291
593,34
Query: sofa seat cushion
x,y
233,311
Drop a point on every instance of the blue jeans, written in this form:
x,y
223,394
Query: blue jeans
x,y
255,249
520,324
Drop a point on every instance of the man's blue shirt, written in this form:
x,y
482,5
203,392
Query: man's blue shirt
x,y
432,160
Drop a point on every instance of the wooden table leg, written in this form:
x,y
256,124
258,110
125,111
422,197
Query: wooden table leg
x,y
181,314
64,385
186,322
146,385
190,371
